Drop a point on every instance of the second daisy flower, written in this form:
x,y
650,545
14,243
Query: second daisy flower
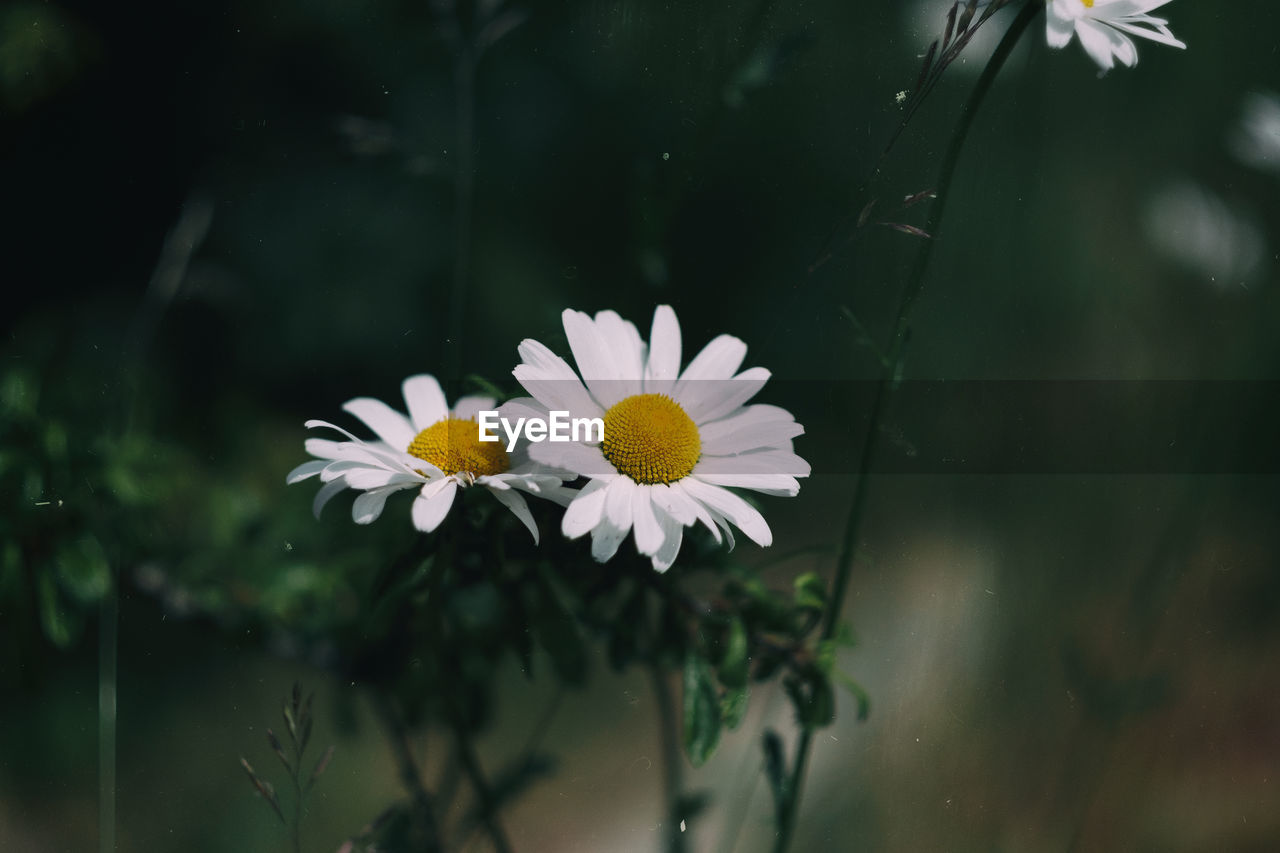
x,y
673,440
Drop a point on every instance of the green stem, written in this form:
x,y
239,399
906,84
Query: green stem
x,y
884,389
464,200
297,796
398,736
108,639
484,793
672,781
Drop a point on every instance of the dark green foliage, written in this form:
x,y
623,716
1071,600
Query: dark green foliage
x,y
702,719
775,771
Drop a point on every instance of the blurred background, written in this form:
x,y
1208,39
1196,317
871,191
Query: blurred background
x,y
225,218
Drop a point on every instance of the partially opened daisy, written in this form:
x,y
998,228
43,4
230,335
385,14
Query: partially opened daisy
x,y
435,449
672,441
1104,27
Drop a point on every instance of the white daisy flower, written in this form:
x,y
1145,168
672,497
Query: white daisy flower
x,y
436,450
1104,27
672,440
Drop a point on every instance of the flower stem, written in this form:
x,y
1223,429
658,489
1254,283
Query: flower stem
x,y
464,201
884,390
297,802
108,649
484,792
672,781
423,811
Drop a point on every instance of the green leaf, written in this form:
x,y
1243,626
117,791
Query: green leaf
x,y
844,636
766,609
701,710
811,592
82,569
11,564
775,770
692,803
18,394
736,663
824,656
486,387
857,691
733,706
812,697
61,623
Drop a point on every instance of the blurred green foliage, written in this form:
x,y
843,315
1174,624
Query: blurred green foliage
x,y
625,154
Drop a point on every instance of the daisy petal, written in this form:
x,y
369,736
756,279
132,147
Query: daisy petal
x,y
648,532
735,509
553,382
425,399
663,368
709,401
672,536
582,459
594,357
305,470
728,531
432,504
605,539
682,505
781,485
515,502
617,503
1058,30
378,478
760,462
748,429
586,510
326,493
326,448
719,359
1096,40
367,507
315,422
627,349
390,426
469,407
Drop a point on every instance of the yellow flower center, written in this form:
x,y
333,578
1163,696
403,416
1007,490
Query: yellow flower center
x,y
649,438
1088,4
453,445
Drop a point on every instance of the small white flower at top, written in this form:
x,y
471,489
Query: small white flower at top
x,y
435,450
1104,27
673,440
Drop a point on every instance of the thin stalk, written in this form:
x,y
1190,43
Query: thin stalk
x,y
464,201
884,389
931,79
475,773
108,640
297,797
398,737
672,769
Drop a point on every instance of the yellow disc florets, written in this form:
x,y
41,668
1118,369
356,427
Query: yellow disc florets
x,y
649,438
453,445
